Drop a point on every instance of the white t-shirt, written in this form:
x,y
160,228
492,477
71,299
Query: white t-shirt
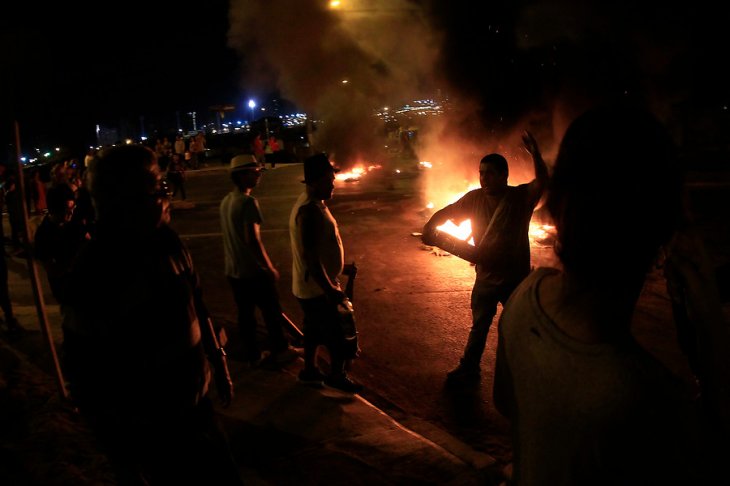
x,y
237,212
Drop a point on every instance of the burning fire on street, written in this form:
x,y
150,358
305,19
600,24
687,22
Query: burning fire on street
x,y
356,173
540,234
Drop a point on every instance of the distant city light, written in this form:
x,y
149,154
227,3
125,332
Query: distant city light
x,y
334,3
344,81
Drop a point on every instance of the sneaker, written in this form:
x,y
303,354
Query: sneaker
x,y
343,383
464,375
311,377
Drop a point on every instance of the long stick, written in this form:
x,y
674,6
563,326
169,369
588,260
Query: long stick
x,y
33,272
294,330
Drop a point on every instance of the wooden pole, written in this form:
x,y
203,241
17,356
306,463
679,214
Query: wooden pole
x,y
33,272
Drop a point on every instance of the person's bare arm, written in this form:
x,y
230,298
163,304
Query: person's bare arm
x,y
259,250
538,185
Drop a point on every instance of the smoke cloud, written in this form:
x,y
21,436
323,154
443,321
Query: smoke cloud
x,y
338,64
502,66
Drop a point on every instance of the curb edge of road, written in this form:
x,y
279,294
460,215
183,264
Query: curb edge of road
x,y
439,438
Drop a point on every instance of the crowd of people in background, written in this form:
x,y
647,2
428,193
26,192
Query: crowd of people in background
x,y
190,153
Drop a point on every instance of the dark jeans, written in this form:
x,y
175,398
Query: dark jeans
x,y
260,292
484,299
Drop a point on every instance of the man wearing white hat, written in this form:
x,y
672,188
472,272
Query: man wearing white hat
x,y
248,267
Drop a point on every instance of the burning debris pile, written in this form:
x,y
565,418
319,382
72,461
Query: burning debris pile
x,y
356,173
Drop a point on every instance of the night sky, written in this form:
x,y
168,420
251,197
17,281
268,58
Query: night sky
x,y
71,68
506,60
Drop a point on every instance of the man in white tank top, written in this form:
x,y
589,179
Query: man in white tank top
x,y
317,261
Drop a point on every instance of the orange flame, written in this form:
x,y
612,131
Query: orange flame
x,y
462,231
356,173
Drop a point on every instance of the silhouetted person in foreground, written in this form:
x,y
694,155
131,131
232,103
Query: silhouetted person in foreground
x,y
588,404
139,344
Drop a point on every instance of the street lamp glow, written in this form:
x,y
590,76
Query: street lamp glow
x,y
252,105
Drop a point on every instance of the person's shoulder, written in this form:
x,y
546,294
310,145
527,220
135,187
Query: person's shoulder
x,y
530,283
520,187
539,273
310,209
469,197
251,203
229,196
521,191
527,187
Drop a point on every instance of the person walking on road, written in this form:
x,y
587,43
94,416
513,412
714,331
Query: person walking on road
x,y
500,218
248,267
257,148
139,343
197,150
588,403
318,260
